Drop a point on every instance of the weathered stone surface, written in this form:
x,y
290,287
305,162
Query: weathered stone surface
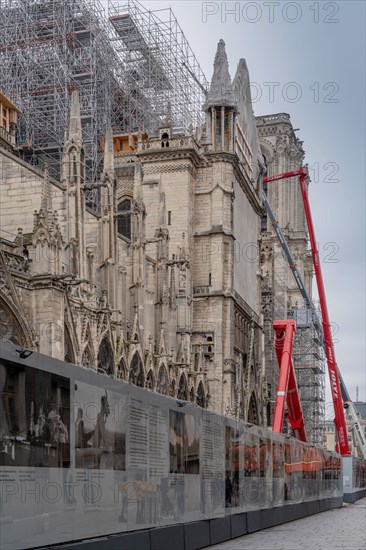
x,y
172,303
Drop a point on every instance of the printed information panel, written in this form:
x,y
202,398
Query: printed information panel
x,y
84,455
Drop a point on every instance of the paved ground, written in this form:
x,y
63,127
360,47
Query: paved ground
x,y
343,528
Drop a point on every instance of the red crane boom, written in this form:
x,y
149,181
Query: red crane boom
x,y
339,420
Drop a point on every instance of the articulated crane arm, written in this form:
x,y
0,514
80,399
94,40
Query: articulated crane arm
x,y
329,346
287,251
287,386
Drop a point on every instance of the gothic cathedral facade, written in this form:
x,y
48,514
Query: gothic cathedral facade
x,y
162,286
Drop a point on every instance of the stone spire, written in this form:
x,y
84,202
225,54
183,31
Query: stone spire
x,y
46,215
108,166
182,250
73,180
162,254
221,92
137,192
108,222
221,105
107,177
46,199
75,131
46,238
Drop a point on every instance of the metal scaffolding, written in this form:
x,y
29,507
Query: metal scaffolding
x,y
126,66
274,305
309,363
158,65
47,49
280,284
308,350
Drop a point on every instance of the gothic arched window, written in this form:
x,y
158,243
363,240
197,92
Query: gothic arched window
x,y
137,372
269,418
191,395
162,382
69,356
165,139
150,380
253,410
86,359
105,357
122,370
172,389
183,389
201,398
124,218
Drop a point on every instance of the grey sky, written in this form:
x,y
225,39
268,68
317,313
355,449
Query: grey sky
x,y
318,59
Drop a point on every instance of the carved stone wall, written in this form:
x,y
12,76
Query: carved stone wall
x,y
160,306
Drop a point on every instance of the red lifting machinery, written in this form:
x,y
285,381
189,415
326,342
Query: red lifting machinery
x,y
287,386
329,347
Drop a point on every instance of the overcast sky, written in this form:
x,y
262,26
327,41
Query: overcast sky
x,y
314,54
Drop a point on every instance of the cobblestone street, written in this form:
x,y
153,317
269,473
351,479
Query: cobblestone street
x,y
343,528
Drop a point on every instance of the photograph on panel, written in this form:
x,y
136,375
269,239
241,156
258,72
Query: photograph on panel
x,y
34,417
184,444
100,428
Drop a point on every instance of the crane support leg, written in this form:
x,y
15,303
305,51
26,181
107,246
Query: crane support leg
x,y
295,415
287,387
